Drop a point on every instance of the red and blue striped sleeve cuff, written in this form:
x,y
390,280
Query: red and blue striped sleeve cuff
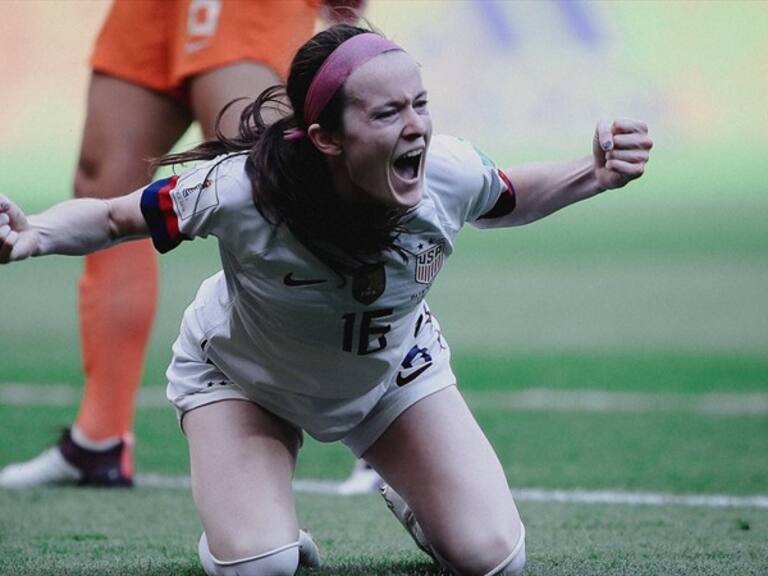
x,y
157,208
506,202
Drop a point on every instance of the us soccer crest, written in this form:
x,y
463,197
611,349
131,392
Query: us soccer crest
x,y
369,283
429,262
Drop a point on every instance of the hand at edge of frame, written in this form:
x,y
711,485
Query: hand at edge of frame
x,y
621,150
18,239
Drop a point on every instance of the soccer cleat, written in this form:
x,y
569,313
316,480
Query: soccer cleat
x,y
70,463
405,516
47,469
309,553
363,480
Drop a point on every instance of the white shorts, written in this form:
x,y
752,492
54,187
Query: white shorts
x,y
194,382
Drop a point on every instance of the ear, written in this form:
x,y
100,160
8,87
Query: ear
x,y
329,143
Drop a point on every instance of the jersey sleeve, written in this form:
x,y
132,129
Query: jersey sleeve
x,y
196,203
466,183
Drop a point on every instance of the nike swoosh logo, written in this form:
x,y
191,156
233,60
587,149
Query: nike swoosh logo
x,y
193,46
403,380
289,280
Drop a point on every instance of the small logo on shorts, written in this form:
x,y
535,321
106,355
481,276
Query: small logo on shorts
x,y
408,372
202,22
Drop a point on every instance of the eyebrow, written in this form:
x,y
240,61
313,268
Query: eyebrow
x,y
418,96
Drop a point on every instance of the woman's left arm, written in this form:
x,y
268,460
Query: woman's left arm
x,y
620,151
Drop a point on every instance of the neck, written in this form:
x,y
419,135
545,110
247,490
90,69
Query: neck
x,y
342,184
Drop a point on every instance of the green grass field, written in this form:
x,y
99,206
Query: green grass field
x,y
658,309
152,532
618,349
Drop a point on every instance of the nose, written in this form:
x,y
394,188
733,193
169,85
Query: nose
x,y
415,125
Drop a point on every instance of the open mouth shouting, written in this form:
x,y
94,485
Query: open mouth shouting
x,y
409,165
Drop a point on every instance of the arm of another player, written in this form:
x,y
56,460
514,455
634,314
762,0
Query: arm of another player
x,y
74,227
620,151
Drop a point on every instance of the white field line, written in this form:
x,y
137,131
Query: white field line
x,y
550,400
540,399
526,494
532,400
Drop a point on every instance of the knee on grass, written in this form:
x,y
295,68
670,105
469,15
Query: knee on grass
x,y
282,561
473,558
513,564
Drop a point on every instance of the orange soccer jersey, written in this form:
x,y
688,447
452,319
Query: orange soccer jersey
x,y
160,43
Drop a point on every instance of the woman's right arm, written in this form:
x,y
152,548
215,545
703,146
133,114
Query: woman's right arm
x,y
74,227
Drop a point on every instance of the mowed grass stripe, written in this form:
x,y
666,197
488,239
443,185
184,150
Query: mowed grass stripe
x,y
531,400
657,451
694,306
617,497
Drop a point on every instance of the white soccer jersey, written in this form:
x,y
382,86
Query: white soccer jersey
x,y
277,316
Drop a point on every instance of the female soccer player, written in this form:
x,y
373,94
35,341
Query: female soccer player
x,y
332,223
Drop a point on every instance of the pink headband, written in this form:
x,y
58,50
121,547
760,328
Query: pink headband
x,y
345,59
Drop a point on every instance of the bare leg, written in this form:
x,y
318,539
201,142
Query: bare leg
x,y
242,457
437,458
125,126
242,461
211,91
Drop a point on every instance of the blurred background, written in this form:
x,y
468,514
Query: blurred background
x,y
676,260
660,286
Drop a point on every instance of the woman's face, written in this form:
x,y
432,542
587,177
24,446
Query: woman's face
x,y
386,131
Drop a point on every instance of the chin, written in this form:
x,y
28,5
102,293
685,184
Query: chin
x,y
407,198
405,194
392,192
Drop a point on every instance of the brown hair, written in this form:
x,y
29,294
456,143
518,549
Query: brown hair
x,y
291,181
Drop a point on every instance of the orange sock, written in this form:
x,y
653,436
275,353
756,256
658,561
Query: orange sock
x,y
118,296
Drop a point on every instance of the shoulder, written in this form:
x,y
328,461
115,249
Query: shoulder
x,y
454,167
215,185
450,151
446,151
462,181
455,163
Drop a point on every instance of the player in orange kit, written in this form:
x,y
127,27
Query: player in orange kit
x,y
158,66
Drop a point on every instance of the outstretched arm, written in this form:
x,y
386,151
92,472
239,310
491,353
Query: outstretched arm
x,y
74,227
620,151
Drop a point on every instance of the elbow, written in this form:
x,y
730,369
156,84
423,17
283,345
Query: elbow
x,y
120,224
113,226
